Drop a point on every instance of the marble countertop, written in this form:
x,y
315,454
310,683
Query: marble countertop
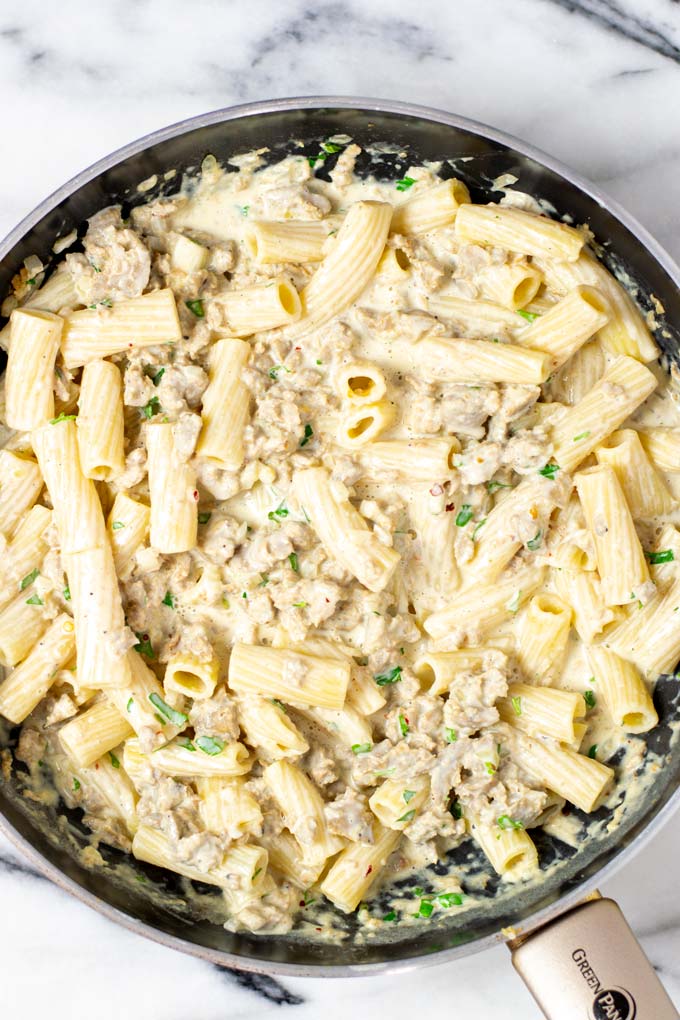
x,y
594,82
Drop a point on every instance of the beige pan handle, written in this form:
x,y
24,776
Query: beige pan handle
x,y
588,964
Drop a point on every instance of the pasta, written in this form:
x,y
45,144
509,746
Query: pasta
x,y
337,529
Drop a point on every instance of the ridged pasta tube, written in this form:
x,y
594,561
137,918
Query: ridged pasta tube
x,y
263,306
173,493
567,325
646,493
430,209
100,421
94,732
623,691
29,379
481,361
515,230
226,405
138,322
288,675
28,684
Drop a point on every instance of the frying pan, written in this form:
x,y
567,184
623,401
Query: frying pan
x,y
561,933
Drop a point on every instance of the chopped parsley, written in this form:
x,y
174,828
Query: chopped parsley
x,y
281,511
403,725
158,376
62,417
506,822
517,705
512,605
331,147
264,582
385,772
204,517
104,303
76,784
425,909
490,767
361,748
550,470
152,408
67,593
392,676
664,556
114,760
35,600
279,704
144,646
464,515
168,600
592,751
245,209
408,816
449,899
274,371
451,736
171,714
187,744
130,703
117,525
535,542
493,486
293,560
408,795
456,809
196,307
299,605
405,183
390,916
309,432
477,529
210,745
529,316
29,579
581,435
589,698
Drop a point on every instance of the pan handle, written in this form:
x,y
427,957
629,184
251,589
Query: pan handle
x,y
588,963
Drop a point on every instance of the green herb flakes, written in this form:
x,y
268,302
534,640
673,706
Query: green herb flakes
x,y
464,515
549,471
449,899
513,604
405,183
456,809
490,767
403,725
451,736
293,560
35,600
581,435
663,556
168,713
129,705
144,646
29,579
300,605
534,543
280,705
592,751
478,528
62,417
590,699
279,513
408,795
196,307
67,593
187,744
408,816
158,376
76,784
152,408
390,916
114,760
529,316
204,517
361,748
517,705
506,822
210,745
425,909
309,432
392,676
117,525
493,486
168,600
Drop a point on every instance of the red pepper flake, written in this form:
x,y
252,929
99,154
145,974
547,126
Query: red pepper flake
x,y
370,869
195,495
436,490
450,507
318,929
301,903
96,764
298,348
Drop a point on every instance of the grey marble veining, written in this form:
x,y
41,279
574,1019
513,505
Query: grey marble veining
x,y
594,82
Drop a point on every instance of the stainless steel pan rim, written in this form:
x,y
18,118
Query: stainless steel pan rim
x,y
658,253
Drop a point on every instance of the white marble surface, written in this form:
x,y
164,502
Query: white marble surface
x,y
595,82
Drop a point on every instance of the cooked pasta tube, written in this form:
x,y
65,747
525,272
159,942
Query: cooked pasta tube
x,y
188,256
396,802
187,674
650,636
477,610
394,264
28,684
623,691
296,241
26,551
343,531
346,724
290,676
509,851
141,702
263,306
620,560
20,485
415,460
138,322
22,623
99,619
347,268
127,527
286,858
226,405
567,325
577,431
358,866
94,732
431,208
580,780
360,425
173,493
626,331
235,873
77,508
582,590
100,421
202,756
664,556
246,868
437,670
646,492
514,284
363,694
301,805
515,230
107,784
434,560
227,808
57,294
360,383
267,727
583,370
543,633
481,361
662,445
29,378
475,318
543,710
